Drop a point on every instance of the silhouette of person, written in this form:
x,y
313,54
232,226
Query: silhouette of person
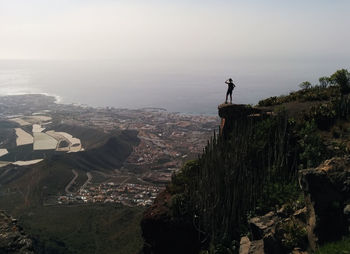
x,y
229,89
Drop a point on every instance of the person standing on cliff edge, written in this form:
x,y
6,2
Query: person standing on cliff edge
x,y
230,88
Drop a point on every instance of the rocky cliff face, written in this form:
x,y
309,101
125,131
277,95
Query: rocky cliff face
x,y
327,194
163,233
326,216
12,238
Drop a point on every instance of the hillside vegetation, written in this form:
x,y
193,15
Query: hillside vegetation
x,y
84,229
29,194
254,168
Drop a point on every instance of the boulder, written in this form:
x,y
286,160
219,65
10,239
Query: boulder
x,y
244,245
262,225
327,193
280,233
251,247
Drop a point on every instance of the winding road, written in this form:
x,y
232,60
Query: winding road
x,y
89,176
71,182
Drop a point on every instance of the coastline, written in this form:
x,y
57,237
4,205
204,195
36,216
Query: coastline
x,y
59,100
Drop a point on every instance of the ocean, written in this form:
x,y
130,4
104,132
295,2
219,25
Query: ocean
x,y
189,87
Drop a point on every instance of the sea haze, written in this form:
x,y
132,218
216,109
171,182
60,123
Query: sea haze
x,y
196,87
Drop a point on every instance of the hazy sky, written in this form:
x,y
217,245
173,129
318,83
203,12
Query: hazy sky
x,y
170,53
174,30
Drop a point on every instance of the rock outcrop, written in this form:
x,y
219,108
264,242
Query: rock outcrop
x,y
326,216
251,247
230,113
276,232
163,233
327,194
236,111
12,238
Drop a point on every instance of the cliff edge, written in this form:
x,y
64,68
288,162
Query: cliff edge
x,y
230,113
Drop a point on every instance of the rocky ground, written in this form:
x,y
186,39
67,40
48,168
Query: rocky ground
x,y
12,238
325,218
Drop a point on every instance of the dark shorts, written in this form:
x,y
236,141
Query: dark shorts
x,y
229,91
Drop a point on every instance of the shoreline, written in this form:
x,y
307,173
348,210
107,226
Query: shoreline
x,y
59,100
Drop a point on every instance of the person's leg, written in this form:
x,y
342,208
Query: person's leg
x,y
231,96
227,95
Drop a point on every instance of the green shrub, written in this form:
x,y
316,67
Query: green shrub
x,y
268,102
313,151
276,194
181,180
305,85
316,93
341,247
324,81
324,115
342,79
292,234
180,206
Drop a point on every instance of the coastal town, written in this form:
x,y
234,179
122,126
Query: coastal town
x,y
128,194
166,141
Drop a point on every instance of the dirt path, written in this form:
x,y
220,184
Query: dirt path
x,y
125,181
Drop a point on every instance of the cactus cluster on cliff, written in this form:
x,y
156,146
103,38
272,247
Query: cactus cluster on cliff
x,y
238,175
